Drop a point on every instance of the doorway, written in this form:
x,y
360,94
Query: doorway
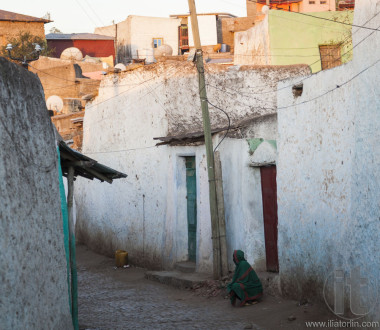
x,y
191,196
269,195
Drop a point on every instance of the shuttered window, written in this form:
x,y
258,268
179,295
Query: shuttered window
x,y
330,56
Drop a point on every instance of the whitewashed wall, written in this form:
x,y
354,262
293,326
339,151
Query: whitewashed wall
x,y
144,29
137,33
146,212
207,30
253,45
328,174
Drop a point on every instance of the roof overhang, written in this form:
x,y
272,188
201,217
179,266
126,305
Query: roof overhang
x,y
85,166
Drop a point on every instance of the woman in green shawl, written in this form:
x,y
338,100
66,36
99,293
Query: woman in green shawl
x,y
245,284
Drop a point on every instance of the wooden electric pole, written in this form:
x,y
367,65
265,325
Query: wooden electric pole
x,y
208,142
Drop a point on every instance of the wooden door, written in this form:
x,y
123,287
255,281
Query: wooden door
x,y
183,39
269,195
191,197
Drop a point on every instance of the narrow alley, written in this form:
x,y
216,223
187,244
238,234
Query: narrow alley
x,y
123,299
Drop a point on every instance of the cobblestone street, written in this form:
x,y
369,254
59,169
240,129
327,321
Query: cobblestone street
x,y
124,299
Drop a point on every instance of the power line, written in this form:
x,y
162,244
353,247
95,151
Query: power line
x,y
325,19
123,92
317,97
84,10
229,123
121,150
275,90
97,16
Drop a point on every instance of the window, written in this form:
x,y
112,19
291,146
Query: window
x,y
323,2
311,2
157,42
330,56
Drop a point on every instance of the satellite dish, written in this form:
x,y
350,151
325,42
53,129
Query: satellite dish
x,y
163,50
72,53
121,66
54,103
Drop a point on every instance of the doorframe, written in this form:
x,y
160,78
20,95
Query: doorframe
x,y
276,268
180,231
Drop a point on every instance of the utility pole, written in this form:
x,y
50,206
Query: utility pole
x,y
208,143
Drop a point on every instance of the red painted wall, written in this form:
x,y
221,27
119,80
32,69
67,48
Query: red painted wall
x,y
94,48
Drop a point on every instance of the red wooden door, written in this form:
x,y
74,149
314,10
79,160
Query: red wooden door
x,y
269,193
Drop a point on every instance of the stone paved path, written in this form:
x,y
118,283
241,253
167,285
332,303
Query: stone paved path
x,y
124,299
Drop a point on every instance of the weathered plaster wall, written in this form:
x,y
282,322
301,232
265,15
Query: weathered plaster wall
x,y
253,46
144,29
33,283
328,174
146,213
58,77
137,33
296,38
207,30
284,38
232,25
10,30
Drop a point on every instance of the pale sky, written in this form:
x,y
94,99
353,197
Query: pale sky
x,y
76,16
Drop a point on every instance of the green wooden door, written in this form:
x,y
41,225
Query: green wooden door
x,y
191,207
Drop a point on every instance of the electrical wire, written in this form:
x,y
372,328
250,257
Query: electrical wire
x,y
121,150
302,80
229,124
84,10
123,92
97,16
319,96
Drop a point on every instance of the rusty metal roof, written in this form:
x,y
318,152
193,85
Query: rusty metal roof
x,y
278,2
77,36
14,17
85,166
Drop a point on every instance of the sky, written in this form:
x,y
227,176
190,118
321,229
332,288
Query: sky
x,y
77,16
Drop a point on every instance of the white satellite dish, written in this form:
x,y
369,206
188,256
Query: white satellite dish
x,y
121,66
72,54
54,103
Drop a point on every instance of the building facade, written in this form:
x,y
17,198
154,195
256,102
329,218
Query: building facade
x,y
328,179
12,24
138,35
149,215
284,38
90,44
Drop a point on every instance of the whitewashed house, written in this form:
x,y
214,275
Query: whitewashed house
x,y
136,36
149,215
329,178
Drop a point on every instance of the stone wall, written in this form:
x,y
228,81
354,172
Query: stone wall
x,y
33,282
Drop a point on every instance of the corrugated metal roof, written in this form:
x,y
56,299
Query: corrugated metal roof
x,y
204,14
278,2
14,17
77,36
85,166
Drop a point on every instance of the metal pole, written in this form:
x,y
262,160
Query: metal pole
x,y
73,266
208,142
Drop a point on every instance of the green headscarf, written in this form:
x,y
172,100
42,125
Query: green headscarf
x,y
245,283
